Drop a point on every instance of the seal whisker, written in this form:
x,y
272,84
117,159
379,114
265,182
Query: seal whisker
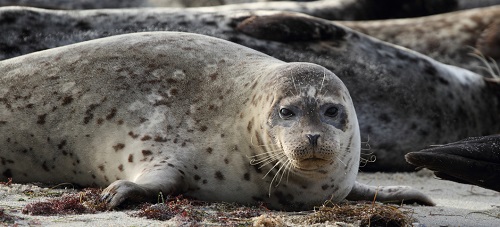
x,y
489,63
274,166
295,86
286,170
322,82
283,167
341,161
266,153
270,160
277,173
289,169
365,161
265,160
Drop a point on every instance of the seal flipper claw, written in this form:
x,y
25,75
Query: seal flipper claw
x,y
392,194
145,188
121,190
470,161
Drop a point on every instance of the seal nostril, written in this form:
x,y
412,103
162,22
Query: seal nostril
x,y
313,139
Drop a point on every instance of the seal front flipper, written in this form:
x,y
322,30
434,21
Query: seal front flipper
x,y
289,27
391,194
145,188
470,161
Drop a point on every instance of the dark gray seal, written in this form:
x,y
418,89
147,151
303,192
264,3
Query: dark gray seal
x,y
182,113
473,161
405,101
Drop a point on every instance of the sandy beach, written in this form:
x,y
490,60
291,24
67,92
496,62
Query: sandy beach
x,y
457,205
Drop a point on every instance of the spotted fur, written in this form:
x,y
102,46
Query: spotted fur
x,y
173,142
450,38
404,101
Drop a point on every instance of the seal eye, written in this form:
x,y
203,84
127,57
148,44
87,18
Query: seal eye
x,y
332,112
286,113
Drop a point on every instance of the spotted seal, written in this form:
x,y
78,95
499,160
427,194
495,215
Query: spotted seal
x,y
404,101
162,112
451,38
332,10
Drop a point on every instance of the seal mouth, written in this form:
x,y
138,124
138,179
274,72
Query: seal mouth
x,y
310,164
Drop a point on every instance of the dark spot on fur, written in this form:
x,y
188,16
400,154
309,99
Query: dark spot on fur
x,y
182,172
203,128
174,91
120,167
171,165
146,137
88,113
146,152
384,118
205,181
134,136
100,121
219,175
61,145
443,81
101,167
111,115
431,70
83,26
118,146
160,139
67,100
44,166
423,132
246,176
213,76
130,158
197,178
209,150
120,122
324,187
226,161
41,119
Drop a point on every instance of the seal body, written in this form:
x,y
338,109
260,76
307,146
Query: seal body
x,y
451,38
180,113
404,101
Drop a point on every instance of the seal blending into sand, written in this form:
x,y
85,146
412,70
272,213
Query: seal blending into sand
x,y
405,101
182,113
